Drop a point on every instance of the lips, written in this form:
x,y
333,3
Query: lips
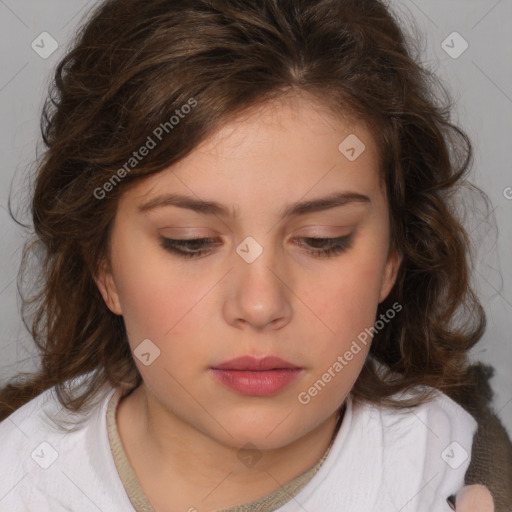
x,y
254,376
250,363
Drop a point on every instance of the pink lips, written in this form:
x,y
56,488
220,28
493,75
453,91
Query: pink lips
x,y
252,376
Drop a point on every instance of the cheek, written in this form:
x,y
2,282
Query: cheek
x,y
159,300
345,309
345,298
167,309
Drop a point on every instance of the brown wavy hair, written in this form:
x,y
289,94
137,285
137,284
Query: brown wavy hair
x,y
134,62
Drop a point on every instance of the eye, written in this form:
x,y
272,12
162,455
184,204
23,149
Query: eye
x,y
197,247
326,247
191,248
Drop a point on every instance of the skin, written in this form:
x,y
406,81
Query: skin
x,y
474,498
182,429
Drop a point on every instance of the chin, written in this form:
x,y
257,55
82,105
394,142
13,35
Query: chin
x,y
267,432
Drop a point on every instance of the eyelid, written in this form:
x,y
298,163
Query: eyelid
x,y
316,231
335,246
171,232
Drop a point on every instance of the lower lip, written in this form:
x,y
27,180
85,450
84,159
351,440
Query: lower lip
x,y
257,383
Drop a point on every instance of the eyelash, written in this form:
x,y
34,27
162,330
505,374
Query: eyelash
x,y
336,246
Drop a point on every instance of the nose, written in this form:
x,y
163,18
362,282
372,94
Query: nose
x,y
258,293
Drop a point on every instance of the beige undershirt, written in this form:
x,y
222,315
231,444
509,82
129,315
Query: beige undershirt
x,y
141,503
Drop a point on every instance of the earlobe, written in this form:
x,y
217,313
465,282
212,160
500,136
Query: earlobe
x,y
390,274
107,287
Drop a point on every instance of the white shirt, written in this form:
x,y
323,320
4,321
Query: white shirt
x,y
381,460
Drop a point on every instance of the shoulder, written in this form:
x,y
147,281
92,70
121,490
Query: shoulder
x,y
432,441
435,411
44,415
53,458
43,429
386,457
437,426
441,415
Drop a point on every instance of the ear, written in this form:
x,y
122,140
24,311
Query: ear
x,y
107,287
390,273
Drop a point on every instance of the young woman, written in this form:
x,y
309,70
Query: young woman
x,y
251,270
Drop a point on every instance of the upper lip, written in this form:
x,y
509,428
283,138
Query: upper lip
x,y
254,363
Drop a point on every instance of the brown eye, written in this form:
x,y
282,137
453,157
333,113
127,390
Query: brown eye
x,y
325,247
197,247
191,248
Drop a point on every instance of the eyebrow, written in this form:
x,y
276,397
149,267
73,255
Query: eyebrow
x,y
294,209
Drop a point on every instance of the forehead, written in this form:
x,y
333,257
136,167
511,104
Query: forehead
x,y
293,123
287,148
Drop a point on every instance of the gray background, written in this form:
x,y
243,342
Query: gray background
x,y
480,81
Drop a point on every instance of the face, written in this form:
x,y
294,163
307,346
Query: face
x,y
277,272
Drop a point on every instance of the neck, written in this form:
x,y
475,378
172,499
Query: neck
x,y
173,458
